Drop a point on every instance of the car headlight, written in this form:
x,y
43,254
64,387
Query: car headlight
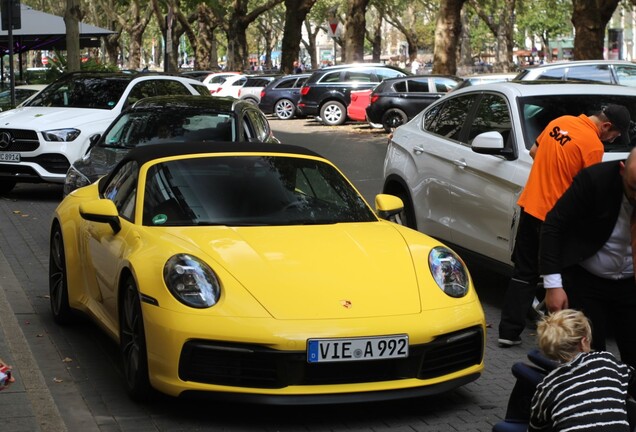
x,y
74,180
449,271
64,135
191,281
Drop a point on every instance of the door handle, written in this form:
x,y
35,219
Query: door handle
x,y
418,150
460,164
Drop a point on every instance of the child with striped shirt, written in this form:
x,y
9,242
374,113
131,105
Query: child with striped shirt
x,y
588,391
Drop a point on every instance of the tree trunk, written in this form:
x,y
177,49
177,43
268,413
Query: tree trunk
x,y
72,18
205,55
355,26
295,13
447,31
590,19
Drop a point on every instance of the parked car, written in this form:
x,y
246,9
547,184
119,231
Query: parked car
x,y
326,93
22,93
485,78
198,75
397,100
257,270
231,85
40,139
280,97
214,80
357,108
460,165
607,71
169,119
251,90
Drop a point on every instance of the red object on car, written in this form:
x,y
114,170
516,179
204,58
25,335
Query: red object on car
x,y
360,99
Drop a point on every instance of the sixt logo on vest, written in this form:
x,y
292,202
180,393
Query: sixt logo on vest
x,y
561,136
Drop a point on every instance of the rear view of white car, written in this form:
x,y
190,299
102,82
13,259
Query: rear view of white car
x,y
41,139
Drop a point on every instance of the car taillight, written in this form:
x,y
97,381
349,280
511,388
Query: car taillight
x,y
304,90
262,94
239,93
374,98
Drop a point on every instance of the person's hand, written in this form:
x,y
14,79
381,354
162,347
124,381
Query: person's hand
x,y
556,299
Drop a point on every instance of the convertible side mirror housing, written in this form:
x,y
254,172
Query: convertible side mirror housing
x,y
387,205
101,211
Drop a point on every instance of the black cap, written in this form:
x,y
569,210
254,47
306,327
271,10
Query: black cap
x,y
620,118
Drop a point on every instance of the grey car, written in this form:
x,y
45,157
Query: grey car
x,y
169,119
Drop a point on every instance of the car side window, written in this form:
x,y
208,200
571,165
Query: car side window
x,y
141,90
358,76
384,73
552,74
169,87
400,86
599,73
286,84
492,114
626,75
418,85
331,77
122,190
258,126
444,85
450,118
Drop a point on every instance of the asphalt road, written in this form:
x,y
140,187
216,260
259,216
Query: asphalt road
x,y
69,378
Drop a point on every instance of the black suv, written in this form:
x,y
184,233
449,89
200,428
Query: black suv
x,y
327,92
280,97
397,100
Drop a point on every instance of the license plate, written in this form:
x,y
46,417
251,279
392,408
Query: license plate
x,y
9,157
357,349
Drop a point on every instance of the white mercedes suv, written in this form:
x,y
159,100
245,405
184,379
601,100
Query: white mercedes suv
x,y
41,139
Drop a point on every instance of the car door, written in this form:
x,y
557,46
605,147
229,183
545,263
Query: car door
x,y
433,153
419,94
484,187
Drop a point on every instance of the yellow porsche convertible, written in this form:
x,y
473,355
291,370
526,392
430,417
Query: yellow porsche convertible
x,y
257,272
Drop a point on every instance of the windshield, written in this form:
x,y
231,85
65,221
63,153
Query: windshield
x,y
538,111
163,125
248,191
82,92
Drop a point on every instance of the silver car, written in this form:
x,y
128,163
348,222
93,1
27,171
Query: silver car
x,y
460,165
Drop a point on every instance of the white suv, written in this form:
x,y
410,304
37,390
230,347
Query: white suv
x,y
40,140
460,165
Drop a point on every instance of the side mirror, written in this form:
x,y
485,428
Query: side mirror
x,y
491,143
387,206
101,211
93,140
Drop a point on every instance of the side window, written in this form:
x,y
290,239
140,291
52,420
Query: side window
x,y
600,73
418,85
492,114
626,75
331,77
358,76
552,74
259,128
384,73
449,120
122,190
169,87
444,85
400,86
141,90
286,84
202,90
300,82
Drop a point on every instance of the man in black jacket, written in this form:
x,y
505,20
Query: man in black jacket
x,y
585,253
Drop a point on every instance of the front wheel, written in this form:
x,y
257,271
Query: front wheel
x,y
333,113
393,118
407,216
284,109
58,287
132,343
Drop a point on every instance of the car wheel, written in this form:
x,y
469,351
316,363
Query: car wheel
x,y
6,186
407,216
251,100
58,287
393,118
132,343
284,109
333,113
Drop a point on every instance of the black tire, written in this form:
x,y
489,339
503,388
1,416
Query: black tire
x,y
333,113
132,344
407,216
393,118
251,100
58,287
6,186
284,109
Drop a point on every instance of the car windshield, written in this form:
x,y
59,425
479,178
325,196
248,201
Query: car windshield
x,y
82,92
249,191
166,125
538,111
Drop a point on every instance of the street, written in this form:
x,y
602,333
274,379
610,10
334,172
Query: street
x,y
69,378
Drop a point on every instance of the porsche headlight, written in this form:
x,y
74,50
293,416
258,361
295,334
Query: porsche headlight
x,y
449,271
68,134
191,281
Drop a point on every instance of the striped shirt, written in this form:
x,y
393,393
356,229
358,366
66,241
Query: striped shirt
x,y
588,393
